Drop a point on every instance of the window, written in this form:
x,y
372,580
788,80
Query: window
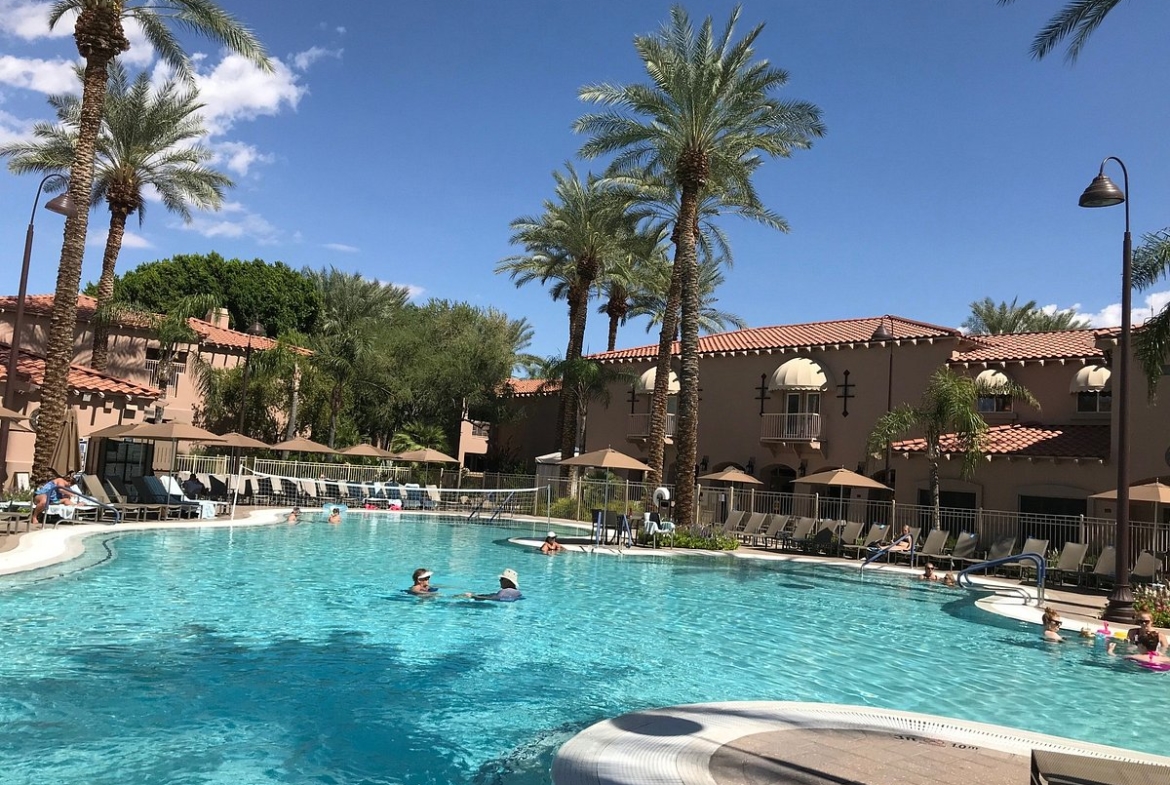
x,y
814,403
1094,401
989,404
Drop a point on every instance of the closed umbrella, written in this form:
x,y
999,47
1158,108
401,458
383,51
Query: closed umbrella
x,y
66,457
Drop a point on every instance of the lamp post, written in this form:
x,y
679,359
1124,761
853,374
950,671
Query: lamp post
x,y
885,335
255,331
1103,193
62,205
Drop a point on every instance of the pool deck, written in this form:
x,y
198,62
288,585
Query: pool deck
x,y
748,743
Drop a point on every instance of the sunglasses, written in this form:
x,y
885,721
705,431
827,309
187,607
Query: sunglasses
x,y
1146,621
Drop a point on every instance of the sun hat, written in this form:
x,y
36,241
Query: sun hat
x,y
510,575
551,536
425,574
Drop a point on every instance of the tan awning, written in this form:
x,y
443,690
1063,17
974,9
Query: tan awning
x,y
645,383
799,373
1091,378
992,378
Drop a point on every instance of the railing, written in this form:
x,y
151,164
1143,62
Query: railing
x,y
640,425
481,429
203,464
151,368
790,428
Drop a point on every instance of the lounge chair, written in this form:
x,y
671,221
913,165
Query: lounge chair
x,y
413,498
167,490
1106,567
394,496
433,497
823,535
217,488
1072,556
932,548
117,491
874,539
1146,569
734,519
799,533
754,525
849,535
93,487
308,491
774,532
1034,546
999,549
965,546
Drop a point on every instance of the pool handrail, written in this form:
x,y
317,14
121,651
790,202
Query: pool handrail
x,y
501,506
885,550
1037,559
96,503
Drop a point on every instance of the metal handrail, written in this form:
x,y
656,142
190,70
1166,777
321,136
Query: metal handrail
x,y
1039,560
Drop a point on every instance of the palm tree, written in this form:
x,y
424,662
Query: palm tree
x,y
627,275
948,410
1078,19
987,318
589,381
1151,343
651,301
100,38
706,118
571,243
144,141
354,313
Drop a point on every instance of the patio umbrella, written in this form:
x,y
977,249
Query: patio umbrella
x,y
608,458
368,451
9,414
1155,493
426,455
66,458
113,431
238,441
301,444
733,475
173,432
841,478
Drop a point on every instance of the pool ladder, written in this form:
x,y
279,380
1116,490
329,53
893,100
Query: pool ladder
x,y
1035,558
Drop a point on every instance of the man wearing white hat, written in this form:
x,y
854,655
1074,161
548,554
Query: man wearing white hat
x,y
509,589
550,544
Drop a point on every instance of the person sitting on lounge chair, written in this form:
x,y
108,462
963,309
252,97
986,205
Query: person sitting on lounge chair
x,y
55,491
1051,621
550,545
904,542
192,487
509,589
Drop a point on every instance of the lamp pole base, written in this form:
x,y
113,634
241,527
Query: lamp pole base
x,y
1120,607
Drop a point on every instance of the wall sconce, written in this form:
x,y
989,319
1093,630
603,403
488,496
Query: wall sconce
x,y
751,465
703,464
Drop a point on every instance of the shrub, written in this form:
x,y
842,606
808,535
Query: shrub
x,y
694,538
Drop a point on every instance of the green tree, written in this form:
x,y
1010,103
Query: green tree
x,y
1077,20
948,417
589,381
703,122
651,300
146,140
1151,341
100,38
987,318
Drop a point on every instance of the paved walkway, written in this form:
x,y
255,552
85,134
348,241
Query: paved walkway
x,y
787,743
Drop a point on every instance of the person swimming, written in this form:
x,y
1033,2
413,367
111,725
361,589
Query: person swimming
x,y
294,515
550,545
1051,622
422,582
335,515
509,589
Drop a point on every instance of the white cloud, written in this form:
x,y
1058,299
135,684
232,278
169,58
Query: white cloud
x,y
14,129
30,20
33,73
1110,315
237,157
129,240
412,292
303,60
242,223
237,90
339,30
342,247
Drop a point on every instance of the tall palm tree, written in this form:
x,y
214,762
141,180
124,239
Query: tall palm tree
x,y
651,300
100,38
627,275
571,243
1078,19
1151,343
987,318
706,118
144,141
354,313
948,409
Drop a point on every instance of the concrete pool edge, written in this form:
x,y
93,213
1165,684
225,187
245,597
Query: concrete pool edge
x,y
676,744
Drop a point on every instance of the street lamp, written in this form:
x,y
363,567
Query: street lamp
x,y
255,331
62,205
884,334
1103,193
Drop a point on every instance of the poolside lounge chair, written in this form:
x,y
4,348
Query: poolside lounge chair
x,y
1072,556
1032,545
120,494
823,535
217,488
734,519
754,525
965,545
413,497
999,549
848,535
774,532
1105,570
1146,569
93,487
432,498
932,548
801,530
168,488
875,537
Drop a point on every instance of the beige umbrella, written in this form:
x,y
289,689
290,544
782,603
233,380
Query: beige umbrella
x,y
113,431
368,451
608,458
840,478
426,455
1154,492
171,432
238,441
301,444
731,475
66,458
9,414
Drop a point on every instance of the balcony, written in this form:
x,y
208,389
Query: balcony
x,y
639,427
151,368
790,428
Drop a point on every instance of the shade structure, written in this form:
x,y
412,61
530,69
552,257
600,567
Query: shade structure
x,y
301,444
171,432
368,451
12,416
608,458
238,441
66,457
426,455
113,431
842,478
1148,492
731,474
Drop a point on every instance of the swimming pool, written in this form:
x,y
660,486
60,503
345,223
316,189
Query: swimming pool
x,y
288,654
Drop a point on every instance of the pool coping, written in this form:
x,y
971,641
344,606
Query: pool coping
x,y
676,744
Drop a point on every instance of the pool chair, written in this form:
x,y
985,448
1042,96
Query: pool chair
x,y
173,492
932,548
118,493
1105,570
654,526
394,496
217,488
965,546
308,492
93,487
822,537
1072,556
1000,549
1033,546
1146,569
330,491
774,533
874,539
849,535
355,493
801,530
733,521
433,497
413,498
751,526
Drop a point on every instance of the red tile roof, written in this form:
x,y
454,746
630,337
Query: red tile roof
x,y
31,367
766,340
1077,345
530,388
209,334
1029,440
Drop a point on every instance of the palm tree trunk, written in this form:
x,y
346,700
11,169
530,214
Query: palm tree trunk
x,y
99,355
611,344
661,394
290,430
63,323
578,314
334,410
935,512
687,436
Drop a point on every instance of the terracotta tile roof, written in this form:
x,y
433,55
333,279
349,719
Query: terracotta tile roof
x,y
209,334
1029,440
1077,345
31,367
787,337
531,388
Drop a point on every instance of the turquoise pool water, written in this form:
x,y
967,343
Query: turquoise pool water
x,y
288,654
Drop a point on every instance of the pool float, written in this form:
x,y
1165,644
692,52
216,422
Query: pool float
x,y
1150,664
661,496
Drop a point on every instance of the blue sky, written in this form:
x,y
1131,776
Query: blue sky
x,y
400,139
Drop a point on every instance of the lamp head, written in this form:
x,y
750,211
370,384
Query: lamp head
x,y
882,333
256,330
1101,193
62,204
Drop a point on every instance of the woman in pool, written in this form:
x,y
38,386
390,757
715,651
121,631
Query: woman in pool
x,y
335,515
295,515
422,582
1051,621
1147,655
550,545
509,589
